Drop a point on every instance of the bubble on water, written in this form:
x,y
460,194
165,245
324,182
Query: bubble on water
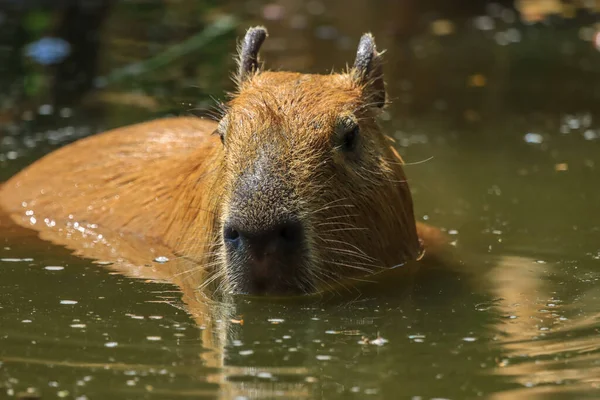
x,y
154,338
111,344
16,259
469,339
265,375
26,321
276,320
78,326
246,352
161,259
68,302
323,357
535,138
63,393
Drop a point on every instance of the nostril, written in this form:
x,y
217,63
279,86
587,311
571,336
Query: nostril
x,y
230,234
291,232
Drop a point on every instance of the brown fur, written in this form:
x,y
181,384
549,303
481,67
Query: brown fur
x,y
171,181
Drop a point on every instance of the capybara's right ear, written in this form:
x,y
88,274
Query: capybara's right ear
x,y
248,62
368,70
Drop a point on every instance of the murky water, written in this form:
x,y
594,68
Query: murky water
x,y
496,115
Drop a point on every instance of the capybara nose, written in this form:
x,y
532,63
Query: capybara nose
x,y
265,260
269,242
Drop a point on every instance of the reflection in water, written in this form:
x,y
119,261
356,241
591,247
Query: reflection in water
x,y
505,107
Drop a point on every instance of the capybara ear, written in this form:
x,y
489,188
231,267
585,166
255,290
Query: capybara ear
x,y
368,70
248,62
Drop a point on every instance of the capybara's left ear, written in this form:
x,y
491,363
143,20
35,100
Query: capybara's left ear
x,y
368,70
248,62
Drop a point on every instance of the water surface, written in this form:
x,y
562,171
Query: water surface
x,y
494,108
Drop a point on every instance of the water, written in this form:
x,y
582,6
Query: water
x,y
496,116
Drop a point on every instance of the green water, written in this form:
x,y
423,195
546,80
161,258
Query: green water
x,y
501,132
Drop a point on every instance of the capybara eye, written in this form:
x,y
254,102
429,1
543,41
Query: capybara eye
x,y
221,135
350,138
221,129
347,133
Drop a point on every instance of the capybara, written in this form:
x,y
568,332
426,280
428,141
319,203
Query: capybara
x,y
294,190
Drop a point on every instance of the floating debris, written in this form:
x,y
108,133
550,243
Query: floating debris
x,y
161,259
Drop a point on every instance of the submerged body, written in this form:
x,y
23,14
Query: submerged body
x,y
294,190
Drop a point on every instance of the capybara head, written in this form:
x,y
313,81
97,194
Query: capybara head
x,y
314,193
